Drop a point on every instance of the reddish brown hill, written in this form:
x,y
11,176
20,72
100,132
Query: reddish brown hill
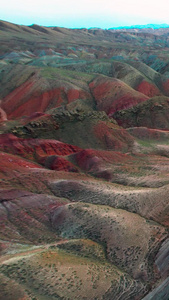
x,y
59,164
40,91
24,216
34,148
49,153
100,163
9,163
38,95
90,159
113,136
148,89
140,77
112,94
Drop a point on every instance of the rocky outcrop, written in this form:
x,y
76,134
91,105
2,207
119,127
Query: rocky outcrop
x,y
84,128
153,113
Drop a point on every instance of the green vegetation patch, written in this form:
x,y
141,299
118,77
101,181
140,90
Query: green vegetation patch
x,y
56,274
52,73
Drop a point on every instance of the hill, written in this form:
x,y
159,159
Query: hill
x,y
84,163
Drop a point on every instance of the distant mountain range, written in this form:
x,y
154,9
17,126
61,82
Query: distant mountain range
x,y
153,26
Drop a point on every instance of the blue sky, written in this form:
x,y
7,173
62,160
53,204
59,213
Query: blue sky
x,y
85,13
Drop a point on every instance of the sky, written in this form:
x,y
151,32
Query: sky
x,y
85,13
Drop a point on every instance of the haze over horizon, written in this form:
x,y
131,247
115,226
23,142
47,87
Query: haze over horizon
x,y
74,14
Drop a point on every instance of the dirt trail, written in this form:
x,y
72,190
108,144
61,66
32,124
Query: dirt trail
x,y
9,258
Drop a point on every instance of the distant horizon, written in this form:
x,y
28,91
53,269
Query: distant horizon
x,y
85,13
139,26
